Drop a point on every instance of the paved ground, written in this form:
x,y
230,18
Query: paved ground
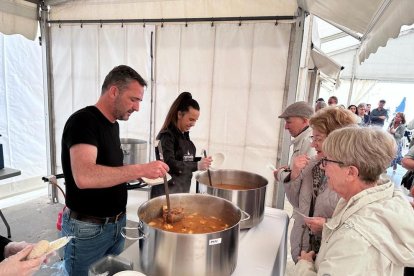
x,y
36,219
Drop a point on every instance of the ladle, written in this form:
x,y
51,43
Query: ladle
x,y
208,170
172,215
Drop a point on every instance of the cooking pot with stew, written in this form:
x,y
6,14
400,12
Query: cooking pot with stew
x,y
204,241
245,189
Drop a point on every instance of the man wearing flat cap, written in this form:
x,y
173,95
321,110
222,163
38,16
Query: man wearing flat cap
x,y
297,117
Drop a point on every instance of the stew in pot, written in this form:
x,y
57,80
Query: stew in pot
x,y
194,223
233,187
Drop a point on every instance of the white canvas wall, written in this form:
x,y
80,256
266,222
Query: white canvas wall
x,y
22,116
236,73
81,59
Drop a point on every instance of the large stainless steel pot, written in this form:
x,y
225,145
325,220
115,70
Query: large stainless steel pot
x,y
167,253
135,151
251,200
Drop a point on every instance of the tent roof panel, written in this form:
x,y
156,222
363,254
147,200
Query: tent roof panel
x,y
95,10
375,20
392,63
18,17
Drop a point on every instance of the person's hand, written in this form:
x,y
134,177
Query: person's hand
x,y
393,130
382,117
299,162
17,265
315,224
276,172
204,163
155,169
14,247
307,256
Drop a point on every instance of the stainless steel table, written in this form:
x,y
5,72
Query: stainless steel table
x,y
7,173
262,249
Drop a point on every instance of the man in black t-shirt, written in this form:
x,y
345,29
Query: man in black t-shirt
x,y
95,177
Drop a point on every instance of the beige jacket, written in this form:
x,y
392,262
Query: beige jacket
x,y
301,145
372,234
299,193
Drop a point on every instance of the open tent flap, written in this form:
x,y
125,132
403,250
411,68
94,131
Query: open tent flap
x,y
19,17
374,21
325,64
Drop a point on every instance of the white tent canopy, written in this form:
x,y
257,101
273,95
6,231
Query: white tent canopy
x,y
237,73
19,17
150,9
392,63
242,74
373,21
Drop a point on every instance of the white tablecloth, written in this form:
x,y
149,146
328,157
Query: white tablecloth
x,y
262,249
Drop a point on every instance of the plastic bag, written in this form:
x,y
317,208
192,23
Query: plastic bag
x,y
52,269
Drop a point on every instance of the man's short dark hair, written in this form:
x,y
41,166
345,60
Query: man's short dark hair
x,y
382,101
121,76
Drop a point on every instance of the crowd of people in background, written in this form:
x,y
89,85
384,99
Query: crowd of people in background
x,y
397,126
338,197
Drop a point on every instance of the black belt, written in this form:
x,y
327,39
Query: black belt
x,y
97,220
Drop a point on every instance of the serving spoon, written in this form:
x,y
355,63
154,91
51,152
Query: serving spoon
x,y
208,170
171,216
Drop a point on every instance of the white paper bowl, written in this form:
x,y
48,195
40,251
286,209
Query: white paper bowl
x,y
156,181
218,160
129,273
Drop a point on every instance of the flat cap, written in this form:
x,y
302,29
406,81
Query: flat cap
x,y
298,109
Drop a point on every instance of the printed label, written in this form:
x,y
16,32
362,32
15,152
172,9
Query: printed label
x,y
188,157
214,241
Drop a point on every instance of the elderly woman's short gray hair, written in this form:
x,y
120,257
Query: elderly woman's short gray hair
x,y
369,149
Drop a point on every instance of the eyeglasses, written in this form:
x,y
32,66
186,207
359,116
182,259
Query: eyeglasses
x,y
324,162
316,139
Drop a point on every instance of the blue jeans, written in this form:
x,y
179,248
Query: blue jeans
x,y
91,243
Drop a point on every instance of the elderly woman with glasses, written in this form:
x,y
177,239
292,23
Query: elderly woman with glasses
x,y
306,189
371,230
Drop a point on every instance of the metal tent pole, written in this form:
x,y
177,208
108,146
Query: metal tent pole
x,y
48,98
291,84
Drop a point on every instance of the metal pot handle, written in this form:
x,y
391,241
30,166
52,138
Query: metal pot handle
x,y
141,234
247,216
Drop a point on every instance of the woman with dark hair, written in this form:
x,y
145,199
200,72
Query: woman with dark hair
x,y
178,150
353,109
